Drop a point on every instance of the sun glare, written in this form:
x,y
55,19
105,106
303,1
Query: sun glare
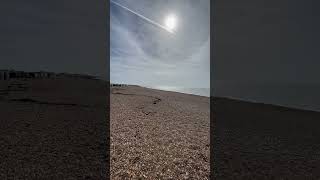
x,y
170,22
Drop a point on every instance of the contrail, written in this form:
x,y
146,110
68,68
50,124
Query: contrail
x,y
143,17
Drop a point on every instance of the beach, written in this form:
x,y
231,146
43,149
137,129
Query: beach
x,y
263,141
159,134
53,129
57,128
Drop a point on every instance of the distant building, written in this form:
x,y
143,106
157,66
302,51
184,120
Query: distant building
x,y
42,74
117,85
4,74
12,74
76,76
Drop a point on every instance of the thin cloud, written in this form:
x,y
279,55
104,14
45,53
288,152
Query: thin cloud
x,y
141,54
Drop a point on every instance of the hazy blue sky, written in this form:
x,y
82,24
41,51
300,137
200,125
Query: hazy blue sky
x,y
59,36
147,55
268,51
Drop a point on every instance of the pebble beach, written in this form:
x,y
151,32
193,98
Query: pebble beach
x,y
159,134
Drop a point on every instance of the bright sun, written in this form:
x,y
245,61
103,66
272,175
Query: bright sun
x,y
170,22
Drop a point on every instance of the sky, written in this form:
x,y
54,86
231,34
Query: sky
x,y
58,36
267,51
144,54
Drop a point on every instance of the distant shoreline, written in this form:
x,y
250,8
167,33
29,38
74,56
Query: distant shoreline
x,y
291,107
204,92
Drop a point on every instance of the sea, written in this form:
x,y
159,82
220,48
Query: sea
x,y
294,95
195,91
